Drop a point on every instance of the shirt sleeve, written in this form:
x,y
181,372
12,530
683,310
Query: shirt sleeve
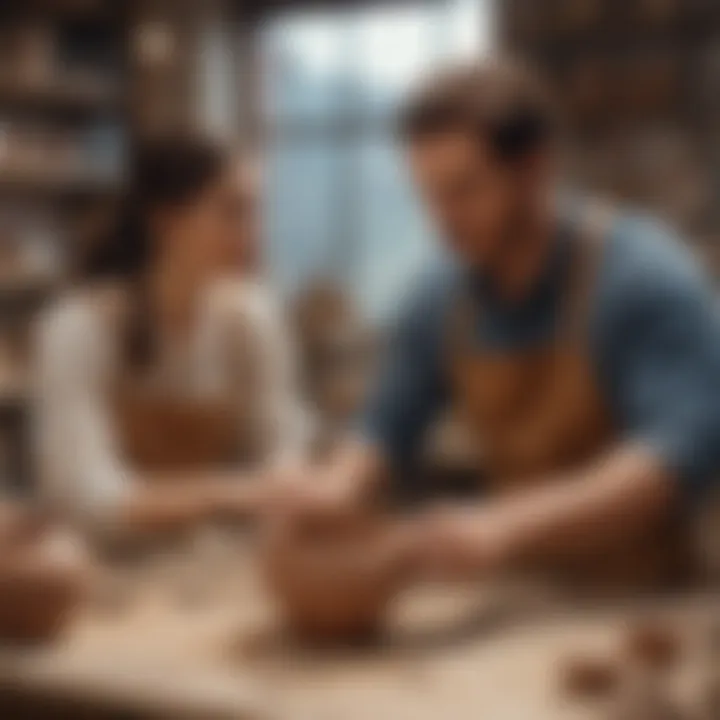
x,y
411,389
663,342
80,470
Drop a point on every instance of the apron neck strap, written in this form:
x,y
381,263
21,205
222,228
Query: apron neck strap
x,y
587,251
594,225
460,326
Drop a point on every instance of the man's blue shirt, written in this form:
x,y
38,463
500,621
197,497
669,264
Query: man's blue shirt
x,y
653,333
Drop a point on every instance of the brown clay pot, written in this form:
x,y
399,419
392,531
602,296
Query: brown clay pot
x,y
589,677
655,646
41,584
333,582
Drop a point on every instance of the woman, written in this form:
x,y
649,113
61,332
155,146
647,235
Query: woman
x,y
168,371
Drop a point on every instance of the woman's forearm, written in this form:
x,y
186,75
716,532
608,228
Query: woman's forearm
x,y
162,508
165,504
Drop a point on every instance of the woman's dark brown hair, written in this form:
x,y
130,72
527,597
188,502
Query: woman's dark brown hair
x,y
162,174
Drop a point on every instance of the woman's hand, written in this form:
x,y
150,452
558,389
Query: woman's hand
x,y
19,524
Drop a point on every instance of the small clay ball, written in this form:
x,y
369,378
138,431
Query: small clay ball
x,y
655,647
589,677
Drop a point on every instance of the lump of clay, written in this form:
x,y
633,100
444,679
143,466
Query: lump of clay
x,y
333,583
43,580
655,646
589,678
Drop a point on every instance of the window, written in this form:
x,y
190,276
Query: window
x,y
339,203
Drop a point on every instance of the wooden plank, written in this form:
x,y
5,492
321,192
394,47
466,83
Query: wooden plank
x,y
146,691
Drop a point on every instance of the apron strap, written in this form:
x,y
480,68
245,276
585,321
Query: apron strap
x,y
460,326
595,224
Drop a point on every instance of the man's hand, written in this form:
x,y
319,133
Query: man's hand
x,y
19,524
339,488
458,543
312,496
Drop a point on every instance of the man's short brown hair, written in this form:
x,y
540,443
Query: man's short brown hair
x,y
501,101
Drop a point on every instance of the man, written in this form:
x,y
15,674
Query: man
x,y
579,346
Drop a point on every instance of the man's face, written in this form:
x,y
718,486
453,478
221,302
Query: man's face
x,y
473,198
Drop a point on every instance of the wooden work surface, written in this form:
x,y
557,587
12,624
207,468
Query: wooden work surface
x,y
191,635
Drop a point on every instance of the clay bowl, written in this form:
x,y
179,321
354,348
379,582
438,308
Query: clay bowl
x,y
42,582
333,583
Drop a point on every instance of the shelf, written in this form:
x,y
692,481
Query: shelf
x,y
60,95
67,9
26,284
37,183
14,393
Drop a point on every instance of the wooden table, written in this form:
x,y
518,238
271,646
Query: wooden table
x,y
193,636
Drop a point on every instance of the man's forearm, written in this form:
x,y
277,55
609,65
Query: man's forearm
x,y
358,469
617,497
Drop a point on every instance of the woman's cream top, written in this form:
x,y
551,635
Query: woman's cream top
x,y
239,347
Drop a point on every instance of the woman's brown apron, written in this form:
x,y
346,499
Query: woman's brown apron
x,y
538,414
166,436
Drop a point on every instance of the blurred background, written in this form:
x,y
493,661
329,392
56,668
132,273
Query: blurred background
x,y
311,88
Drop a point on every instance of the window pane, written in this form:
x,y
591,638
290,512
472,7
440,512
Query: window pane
x,y
305,66
468,26
394,241
392,47
300,210
323,63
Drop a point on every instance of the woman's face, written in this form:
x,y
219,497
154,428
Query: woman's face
x,y
216,232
